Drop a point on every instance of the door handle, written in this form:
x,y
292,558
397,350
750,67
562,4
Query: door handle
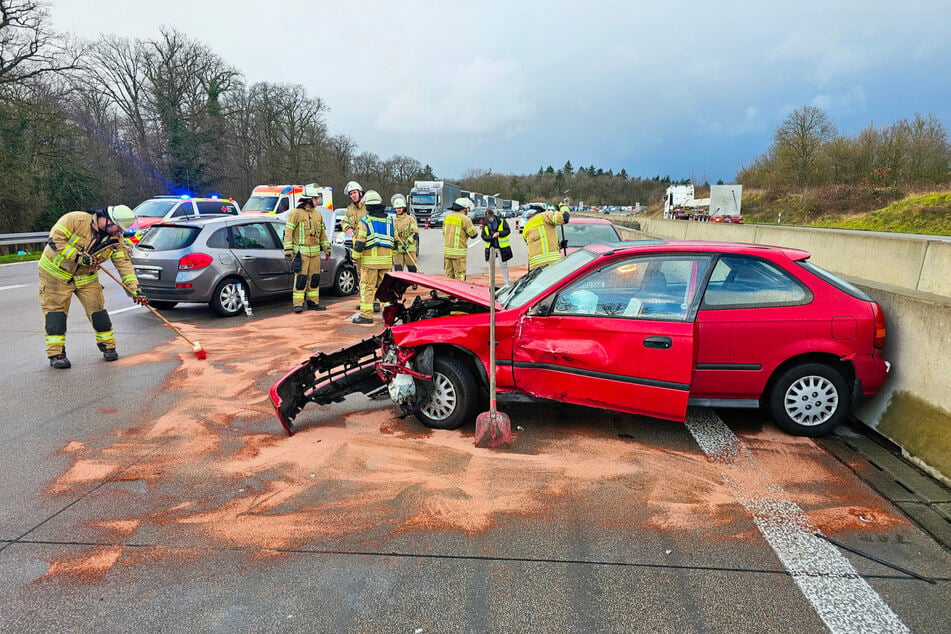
x,y
658,342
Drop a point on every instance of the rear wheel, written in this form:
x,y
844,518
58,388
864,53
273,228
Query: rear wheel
x,y
226,300
346,280
454,399
810,399
162,304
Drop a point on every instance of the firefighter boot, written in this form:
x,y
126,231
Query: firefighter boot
x,y
109,354
60,362
311,305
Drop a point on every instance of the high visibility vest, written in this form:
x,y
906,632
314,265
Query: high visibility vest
x,y
375,242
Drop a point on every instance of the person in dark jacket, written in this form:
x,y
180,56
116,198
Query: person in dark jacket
x,y
495,232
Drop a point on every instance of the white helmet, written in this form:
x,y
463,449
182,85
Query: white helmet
x,y
353,185
465,202
397,201
121,215
372,198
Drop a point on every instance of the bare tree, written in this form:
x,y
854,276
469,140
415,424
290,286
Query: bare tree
x,y
28,48
798,141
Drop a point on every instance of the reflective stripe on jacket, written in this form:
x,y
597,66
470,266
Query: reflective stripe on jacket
x,y
73,235
541,238
305,233
456,227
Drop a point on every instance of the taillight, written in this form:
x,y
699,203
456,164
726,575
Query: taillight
x,y
879,340
194,261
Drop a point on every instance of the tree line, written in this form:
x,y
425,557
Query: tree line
x,y
118,120
808,151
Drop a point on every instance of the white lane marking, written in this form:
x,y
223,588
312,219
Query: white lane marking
x,y
475,242
6,288
842,599
122,310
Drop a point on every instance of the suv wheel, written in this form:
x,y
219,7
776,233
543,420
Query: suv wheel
x,y
346,280
454,399
810,399
226,300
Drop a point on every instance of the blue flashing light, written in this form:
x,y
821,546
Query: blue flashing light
x,y
287,190
184,196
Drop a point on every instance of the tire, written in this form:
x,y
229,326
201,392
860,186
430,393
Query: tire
x,y
346,281
226,301
162,304
810,399
454,399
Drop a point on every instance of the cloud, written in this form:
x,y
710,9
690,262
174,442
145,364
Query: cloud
x,y
480,96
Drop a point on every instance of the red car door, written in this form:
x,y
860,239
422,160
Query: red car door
x,y
621,338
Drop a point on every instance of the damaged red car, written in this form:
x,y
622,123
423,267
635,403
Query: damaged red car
x,y
645,327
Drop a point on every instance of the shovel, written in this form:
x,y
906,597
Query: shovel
x,y
493,427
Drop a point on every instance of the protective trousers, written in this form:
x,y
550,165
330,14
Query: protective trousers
x,y
404,258
369,281
307,281
55,297
455,268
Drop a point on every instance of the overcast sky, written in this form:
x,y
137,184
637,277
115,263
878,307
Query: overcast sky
x,y
674,88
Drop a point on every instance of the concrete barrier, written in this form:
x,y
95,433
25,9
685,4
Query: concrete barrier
x,y
911,279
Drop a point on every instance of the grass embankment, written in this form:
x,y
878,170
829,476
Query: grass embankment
x,y
13,257
869,209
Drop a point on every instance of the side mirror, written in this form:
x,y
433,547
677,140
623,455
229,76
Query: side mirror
x,y
541,309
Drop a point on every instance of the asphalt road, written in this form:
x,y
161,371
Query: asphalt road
x,y
158,493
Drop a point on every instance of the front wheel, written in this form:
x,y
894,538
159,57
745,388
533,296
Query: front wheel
x,y
810,399
454,399
226,300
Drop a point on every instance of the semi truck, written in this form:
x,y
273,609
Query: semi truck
x,y
429,197
726,203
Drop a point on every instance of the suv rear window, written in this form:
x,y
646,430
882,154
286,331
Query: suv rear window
x,y
207,207
168,237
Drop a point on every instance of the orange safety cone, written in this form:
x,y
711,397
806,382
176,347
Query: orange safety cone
x,y
493,427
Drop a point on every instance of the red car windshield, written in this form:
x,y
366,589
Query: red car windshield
x,y
536,281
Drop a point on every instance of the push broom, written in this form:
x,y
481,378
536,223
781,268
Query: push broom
x,y
493,426
196,347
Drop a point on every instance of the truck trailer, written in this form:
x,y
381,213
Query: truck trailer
x,y
429,197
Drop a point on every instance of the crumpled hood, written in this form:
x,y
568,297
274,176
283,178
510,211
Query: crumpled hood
x,y
395,284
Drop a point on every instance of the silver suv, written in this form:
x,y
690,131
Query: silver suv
x,y
211,260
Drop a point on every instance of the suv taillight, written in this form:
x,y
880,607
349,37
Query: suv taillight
x,y
194,261
879,340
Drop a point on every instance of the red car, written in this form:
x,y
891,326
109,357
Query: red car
x,y
645,327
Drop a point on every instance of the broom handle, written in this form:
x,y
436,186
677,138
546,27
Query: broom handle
x,y
491,330
154,312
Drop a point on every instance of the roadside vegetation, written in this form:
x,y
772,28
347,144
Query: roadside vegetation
x,y
16,257
87,124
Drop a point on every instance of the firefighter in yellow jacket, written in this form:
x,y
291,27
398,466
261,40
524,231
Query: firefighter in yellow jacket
x,y
541,236
78,244
373,249
305,238
356,210
456,230
406,231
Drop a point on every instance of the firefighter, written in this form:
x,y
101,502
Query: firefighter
x,y
406,231
496,232
373,249
541,235
456,230
356,210
78,244
305,237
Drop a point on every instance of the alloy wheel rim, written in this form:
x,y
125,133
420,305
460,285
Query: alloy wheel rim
x,y
230,298
811,400
442,402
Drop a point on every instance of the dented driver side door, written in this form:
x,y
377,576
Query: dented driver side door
x,y
621,338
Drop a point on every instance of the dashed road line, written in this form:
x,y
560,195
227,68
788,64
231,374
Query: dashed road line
x,y
840,596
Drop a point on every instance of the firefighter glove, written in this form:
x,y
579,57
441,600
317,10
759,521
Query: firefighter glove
x,y
139,298
288,255
87,260
563,244
296,265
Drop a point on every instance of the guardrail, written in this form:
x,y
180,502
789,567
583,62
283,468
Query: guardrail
x,y
18,239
